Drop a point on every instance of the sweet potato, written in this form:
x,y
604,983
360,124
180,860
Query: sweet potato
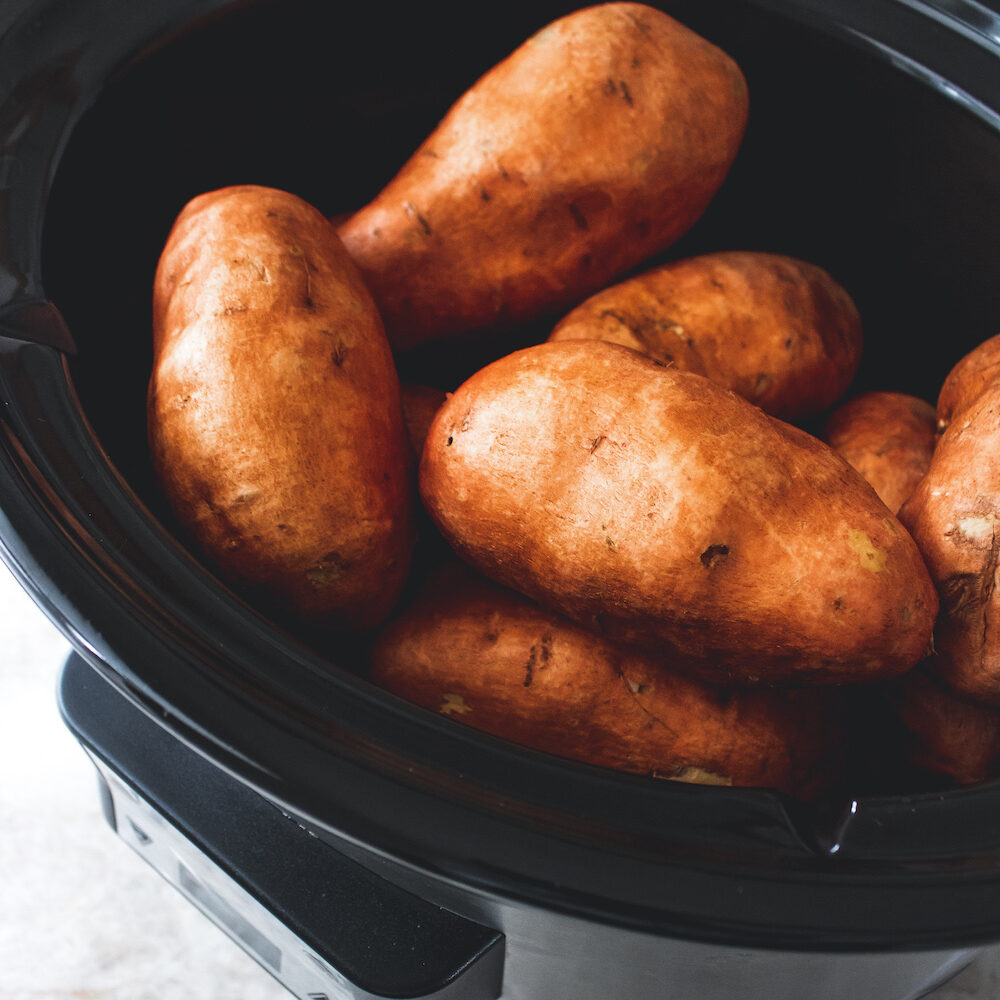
x,y
953,516
657,508
888,437
778,331
274,416
949,735
596,144
492,659
967,380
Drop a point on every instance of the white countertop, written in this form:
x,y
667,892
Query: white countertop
x,y
81,915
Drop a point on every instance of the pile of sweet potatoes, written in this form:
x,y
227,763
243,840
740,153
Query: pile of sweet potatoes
x,y
614,545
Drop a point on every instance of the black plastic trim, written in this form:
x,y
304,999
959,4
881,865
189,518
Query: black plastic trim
x,y
385,941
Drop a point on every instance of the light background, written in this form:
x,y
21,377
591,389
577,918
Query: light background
x,y
81,915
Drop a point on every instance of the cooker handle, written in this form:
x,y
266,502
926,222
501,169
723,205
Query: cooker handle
x,y
322,924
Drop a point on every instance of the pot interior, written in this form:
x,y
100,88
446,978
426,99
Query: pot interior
x,y
869,171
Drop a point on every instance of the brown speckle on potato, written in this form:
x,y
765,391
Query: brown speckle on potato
x,y
713,555
529,667
618,88
339,353
578,217
327,570
617,317
538,658
414,214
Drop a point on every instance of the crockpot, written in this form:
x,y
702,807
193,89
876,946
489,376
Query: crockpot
x,y
357,845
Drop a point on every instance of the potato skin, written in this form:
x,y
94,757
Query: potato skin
x,y
656,508
888,437
274,417
967,380
778,331
492,659
596,144
949,735
953,516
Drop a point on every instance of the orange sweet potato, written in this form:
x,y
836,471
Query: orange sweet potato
x,y
596,144
949,735
778,331
967,380
657,508
953,516
274,416
888,437
489,658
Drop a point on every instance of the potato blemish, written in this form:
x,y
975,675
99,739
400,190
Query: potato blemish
x,y
978,530
327,570
695,775
871,557
454,703
714,555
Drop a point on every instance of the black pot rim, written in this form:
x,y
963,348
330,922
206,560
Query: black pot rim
x,y
736,866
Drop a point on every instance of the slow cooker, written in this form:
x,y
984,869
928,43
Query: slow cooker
x,y
355,845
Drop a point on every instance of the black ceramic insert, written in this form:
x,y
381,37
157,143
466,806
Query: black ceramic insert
x,y
873,150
